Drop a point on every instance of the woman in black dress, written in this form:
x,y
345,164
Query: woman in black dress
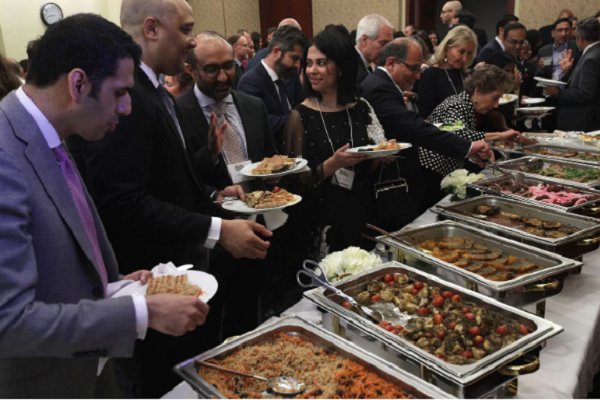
x,y
338,190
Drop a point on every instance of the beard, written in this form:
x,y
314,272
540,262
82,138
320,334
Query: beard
x,y
282,70
216,90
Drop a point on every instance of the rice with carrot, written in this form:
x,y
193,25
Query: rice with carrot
x,y
326,375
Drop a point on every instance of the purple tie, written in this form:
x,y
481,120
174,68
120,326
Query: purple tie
x,y
68,171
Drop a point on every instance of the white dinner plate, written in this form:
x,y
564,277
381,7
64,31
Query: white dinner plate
x,y
300,163
535,110
240,206
205,281
548,82
536,100
367,150
508,98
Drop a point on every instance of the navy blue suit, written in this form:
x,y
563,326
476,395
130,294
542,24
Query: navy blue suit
x,y
490,48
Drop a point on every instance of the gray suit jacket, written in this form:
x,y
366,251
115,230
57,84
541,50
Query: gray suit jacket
x,y
53,328
548,51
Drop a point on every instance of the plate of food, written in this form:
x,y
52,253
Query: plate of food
x,y
260,202
451,126
535,110
508,98
533,100
274,166
383,149
590,138
548,82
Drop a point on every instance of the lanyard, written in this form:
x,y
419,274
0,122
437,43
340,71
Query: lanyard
x,y
327,133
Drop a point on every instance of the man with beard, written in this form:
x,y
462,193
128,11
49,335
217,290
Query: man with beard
x,y
266,80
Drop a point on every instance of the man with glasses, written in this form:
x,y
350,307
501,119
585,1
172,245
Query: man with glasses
x,y
497,44
241,49
513,39
449,11
557,60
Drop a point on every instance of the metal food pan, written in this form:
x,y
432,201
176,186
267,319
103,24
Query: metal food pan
x,y
514,165
591,208
572,246
461,375
517,292
537,148
296,326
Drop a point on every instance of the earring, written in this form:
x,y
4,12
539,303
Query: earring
x,y
445,59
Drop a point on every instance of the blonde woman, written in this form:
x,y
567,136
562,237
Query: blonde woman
x,y
448,70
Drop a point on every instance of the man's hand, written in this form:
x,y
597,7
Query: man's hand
x,y
566,60
141,276
215,137
238,238
480,151
551,91
518,80
173,314
232,191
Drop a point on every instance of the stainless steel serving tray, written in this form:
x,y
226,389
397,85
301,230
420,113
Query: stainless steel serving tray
x,y
571,246
513,166
536,148
516,292
589,208
296,326
463,375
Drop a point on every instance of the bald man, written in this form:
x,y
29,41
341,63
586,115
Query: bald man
x,y
449,11
546,31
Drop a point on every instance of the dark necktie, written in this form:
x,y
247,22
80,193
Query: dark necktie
x,y
283,100
171,109
76,189
370,69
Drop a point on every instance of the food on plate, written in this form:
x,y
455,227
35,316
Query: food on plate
x,y
387,146
546,193
348,261
572,154
442,324
452,126
326,374
558,171
172,284
264,199
587,138
492,264
273,165
502,145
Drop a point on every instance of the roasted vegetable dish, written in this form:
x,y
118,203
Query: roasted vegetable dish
x,y
558,171
443,324
571,154
273,165
546,193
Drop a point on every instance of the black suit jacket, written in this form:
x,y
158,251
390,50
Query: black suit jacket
x,y
409,127
529,85
152,204
259,138
238,75
579,102
362,71
548,51
490,48
546,32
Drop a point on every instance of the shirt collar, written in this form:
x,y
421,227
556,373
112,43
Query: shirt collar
x,y
500,42
587,48
151,75
391,78
206,101
238,62
45,126
270,71
559,48
362,57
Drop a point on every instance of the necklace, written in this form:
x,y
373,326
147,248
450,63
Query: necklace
x,y
330,106
327,133
452,83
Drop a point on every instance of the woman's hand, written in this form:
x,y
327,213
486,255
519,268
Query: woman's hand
x,y
509,136
518,80
341,159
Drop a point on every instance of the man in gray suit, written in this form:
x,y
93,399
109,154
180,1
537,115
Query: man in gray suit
x,y
57,267
558,60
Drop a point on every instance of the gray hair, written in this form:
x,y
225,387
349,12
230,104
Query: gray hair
x,y
398,49
455,38
488,78
589,29
370,26
204,37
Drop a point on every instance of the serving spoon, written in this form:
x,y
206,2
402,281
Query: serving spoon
x,y
279,384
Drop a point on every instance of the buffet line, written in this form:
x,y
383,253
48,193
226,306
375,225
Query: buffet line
x,y
444,316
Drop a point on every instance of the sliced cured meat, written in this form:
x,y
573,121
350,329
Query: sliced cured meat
x,y
486,271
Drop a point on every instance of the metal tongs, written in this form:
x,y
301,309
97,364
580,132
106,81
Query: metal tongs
x,y
319,279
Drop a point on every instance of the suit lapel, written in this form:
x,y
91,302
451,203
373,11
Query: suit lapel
x,y
270,85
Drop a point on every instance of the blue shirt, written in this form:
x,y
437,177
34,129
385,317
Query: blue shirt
x,y
557,72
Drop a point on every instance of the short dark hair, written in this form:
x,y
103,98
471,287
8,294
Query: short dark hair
x,y
425,37
398,34
256,37
286,38
24,64
513,27
8,80
341,29
466,18
597,14
589,29
501,59
85,41
242,32
338,49
533,36
487,79
505,20
233,39
184,79
271,29
394,49
32,47
560,21
434,33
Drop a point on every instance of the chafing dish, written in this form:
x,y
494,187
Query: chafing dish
x,y
294,325
591,208
572,246
537,148
481,379
528,289
514,165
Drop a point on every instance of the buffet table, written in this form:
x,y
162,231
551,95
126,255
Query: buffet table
x,y
568,362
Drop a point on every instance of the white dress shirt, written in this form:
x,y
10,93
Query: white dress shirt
x,y
589,47
274,77
364,60
214,232
500,42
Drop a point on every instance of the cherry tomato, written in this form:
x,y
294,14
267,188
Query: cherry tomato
x,y
438,356
444,313
423,311
346,304
392,283
470,316
441,335
523,330
398,328
276,189
415,292
438,319
396,276
452,325
385,323
503,330
464,310
447,295
376,298
439,302
429,335
478,341
389,328
456,298
418,285
475,331
467,354
388,278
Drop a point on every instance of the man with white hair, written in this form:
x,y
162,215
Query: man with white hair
x,y
372,34
449,12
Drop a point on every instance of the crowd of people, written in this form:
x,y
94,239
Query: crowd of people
x,y
114,158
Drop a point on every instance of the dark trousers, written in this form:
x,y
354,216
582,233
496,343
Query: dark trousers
x,y
433,191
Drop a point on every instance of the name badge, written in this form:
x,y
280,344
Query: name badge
x,y
234,172
343,178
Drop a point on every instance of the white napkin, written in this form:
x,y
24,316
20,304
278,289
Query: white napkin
x,y
275,219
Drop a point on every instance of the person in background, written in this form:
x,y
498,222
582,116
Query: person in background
x,y
15,68
514,40
409,30
497,44
251,47
546,31
398,35
178,84
425,37
25,67
372,34
261,54
526,52
574,22
534,38
578,102
257,39
482,92
557,60
240,54
9,81
270,33
448,70
449,11
468,19
435,39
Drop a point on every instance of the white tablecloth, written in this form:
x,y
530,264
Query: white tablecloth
x,y
569,361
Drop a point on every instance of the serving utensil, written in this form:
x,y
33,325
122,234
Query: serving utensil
x,y
477,216
318,278
279,384
397,238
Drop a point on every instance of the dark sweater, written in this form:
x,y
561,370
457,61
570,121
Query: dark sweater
x,y
434,88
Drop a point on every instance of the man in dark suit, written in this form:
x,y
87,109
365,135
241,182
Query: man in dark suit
x,y
497,44
370,44
546,31
563,53
266,80
399,68
240,51
154,206
514,38
579,103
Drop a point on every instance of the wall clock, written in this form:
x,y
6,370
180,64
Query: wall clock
x,y
51,13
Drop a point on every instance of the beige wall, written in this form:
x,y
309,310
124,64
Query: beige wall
x,y
226,16
537,13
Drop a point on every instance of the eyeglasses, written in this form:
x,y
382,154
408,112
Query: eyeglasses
x,y
446,11
563,30
244,45
212,71
516,42
412,68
